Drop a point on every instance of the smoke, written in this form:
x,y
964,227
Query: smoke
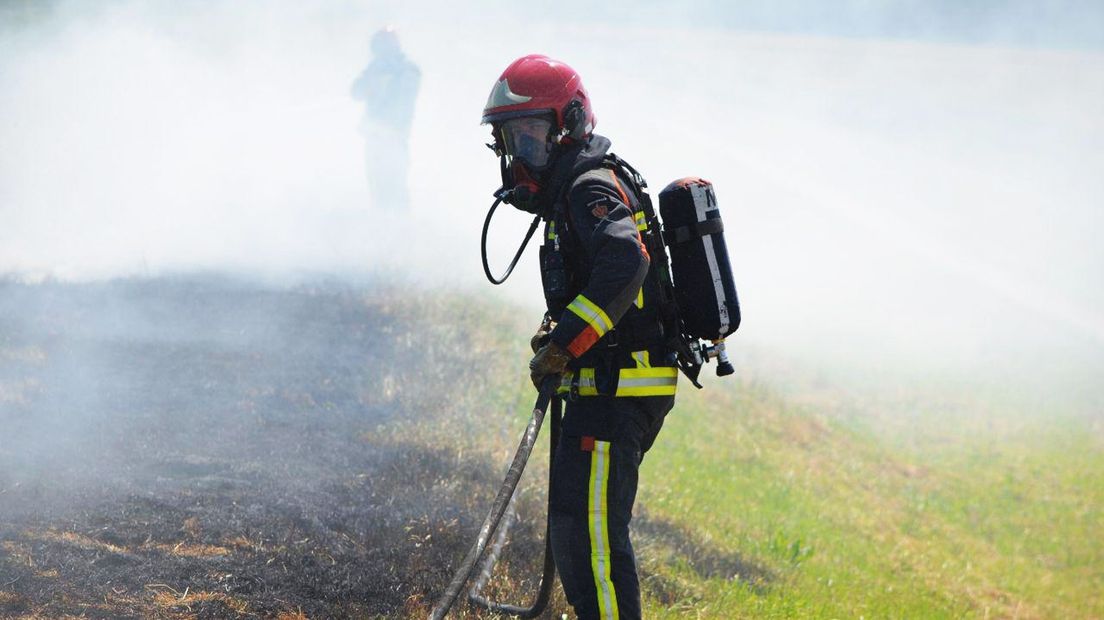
x,y
900,181
908,188
153,140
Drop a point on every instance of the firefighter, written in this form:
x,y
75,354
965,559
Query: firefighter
x,y
388,87
603,334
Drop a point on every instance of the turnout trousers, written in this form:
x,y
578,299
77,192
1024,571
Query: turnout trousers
x,y
592,492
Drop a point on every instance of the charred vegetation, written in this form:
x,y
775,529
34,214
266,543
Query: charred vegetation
x,y
202,447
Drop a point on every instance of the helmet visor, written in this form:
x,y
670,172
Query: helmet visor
x,y
527,138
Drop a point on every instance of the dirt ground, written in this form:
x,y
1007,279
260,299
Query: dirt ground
x,y
200,447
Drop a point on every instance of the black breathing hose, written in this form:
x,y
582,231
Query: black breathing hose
x,y
505,493
483,243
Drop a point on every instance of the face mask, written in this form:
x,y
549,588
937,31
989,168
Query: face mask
x,y
525,150
528,139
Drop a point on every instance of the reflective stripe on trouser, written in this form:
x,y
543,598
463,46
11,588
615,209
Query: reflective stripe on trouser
x,y
598,526
593,489
642,381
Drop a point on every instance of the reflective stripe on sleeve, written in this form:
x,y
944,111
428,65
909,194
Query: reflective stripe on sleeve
x,y
588,311
598,526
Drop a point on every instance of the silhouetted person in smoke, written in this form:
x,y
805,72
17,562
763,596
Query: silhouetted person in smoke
x,y
388,87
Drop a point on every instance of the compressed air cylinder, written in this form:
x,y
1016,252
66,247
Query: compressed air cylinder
x,y
693,231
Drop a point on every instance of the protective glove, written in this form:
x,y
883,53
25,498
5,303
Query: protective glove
x,y
549,360
540,338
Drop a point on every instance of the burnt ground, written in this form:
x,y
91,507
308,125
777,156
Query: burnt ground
x,y
203,447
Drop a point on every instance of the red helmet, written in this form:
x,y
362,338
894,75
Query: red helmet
x,y
536,84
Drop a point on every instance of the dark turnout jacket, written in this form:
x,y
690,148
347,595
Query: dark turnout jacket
x,y
607,314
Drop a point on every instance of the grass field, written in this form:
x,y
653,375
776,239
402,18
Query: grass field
x,y
992,512
908,498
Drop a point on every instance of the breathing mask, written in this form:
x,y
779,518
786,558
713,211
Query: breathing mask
x,y
525,148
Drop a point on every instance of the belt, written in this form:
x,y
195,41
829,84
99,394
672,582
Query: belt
x,y
655,381
643,333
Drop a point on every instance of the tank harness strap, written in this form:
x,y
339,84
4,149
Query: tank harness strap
x,y
682,234
654,242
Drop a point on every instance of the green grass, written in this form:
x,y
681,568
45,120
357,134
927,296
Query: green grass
x,y
793,494
886,514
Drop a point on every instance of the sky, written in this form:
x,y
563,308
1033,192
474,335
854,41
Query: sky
x,y
898,180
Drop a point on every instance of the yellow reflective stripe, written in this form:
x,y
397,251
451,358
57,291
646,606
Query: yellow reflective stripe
x,y
552,229
661,381
642,360
588,311
648,373
565,382
587,384
641,221
597,511
640,381
640,297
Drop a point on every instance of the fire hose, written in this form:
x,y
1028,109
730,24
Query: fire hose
x,y
503,503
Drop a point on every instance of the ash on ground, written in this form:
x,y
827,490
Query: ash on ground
x,y
203,447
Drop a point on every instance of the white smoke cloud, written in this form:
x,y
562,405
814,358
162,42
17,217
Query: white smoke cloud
x,y
910,195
